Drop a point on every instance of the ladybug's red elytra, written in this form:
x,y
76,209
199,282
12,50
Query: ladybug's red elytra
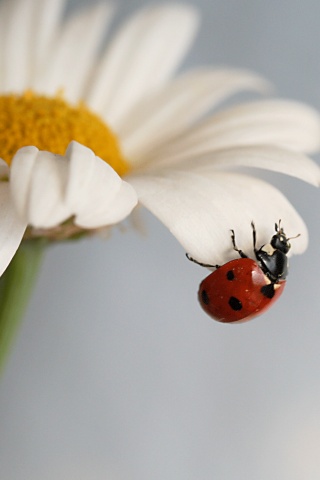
x,y
245,288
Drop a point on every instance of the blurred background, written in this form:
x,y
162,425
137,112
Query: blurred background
x,y
117,374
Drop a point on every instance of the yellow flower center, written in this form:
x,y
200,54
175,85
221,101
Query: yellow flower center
x,y
51,124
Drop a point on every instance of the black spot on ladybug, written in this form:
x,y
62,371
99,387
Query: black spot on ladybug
x,y
230,275
205,297
235,303
268,290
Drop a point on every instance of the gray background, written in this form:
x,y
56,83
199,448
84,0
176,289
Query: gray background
x,y
117,374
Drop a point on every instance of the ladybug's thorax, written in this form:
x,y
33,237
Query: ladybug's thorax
x,y
272,257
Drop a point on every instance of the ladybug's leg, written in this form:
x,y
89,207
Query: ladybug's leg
x,y
233,239
199,263
254,236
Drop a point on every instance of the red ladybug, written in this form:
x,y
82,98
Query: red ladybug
x,y
244,288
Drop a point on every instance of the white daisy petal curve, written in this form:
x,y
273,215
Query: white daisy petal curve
x,y
38,182
109,213
96,194
141,58
48,189
160,118
266,157
21,177
74,52
12,228
200,210
287,124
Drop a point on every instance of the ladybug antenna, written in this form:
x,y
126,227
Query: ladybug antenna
x,y
277,227
280,230
296,236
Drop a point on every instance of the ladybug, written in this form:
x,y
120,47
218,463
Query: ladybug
x,y
244,288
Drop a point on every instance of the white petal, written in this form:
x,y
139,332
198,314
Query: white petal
x,y
12,228
200,210
109,213
96,194
74,52
158,119
48,189
38,182
21,178
17,18
288,124
3,21
46,24
26,32
267,157
89,177
141,58
46,197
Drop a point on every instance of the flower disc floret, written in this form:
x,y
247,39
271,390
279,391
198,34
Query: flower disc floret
x,y
51,124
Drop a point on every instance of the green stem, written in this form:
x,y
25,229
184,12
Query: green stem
x,y
16,286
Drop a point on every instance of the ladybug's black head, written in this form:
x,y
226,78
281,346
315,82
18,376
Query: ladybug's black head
x,y
280,241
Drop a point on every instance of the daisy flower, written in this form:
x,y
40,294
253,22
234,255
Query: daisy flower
x,y
87,135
